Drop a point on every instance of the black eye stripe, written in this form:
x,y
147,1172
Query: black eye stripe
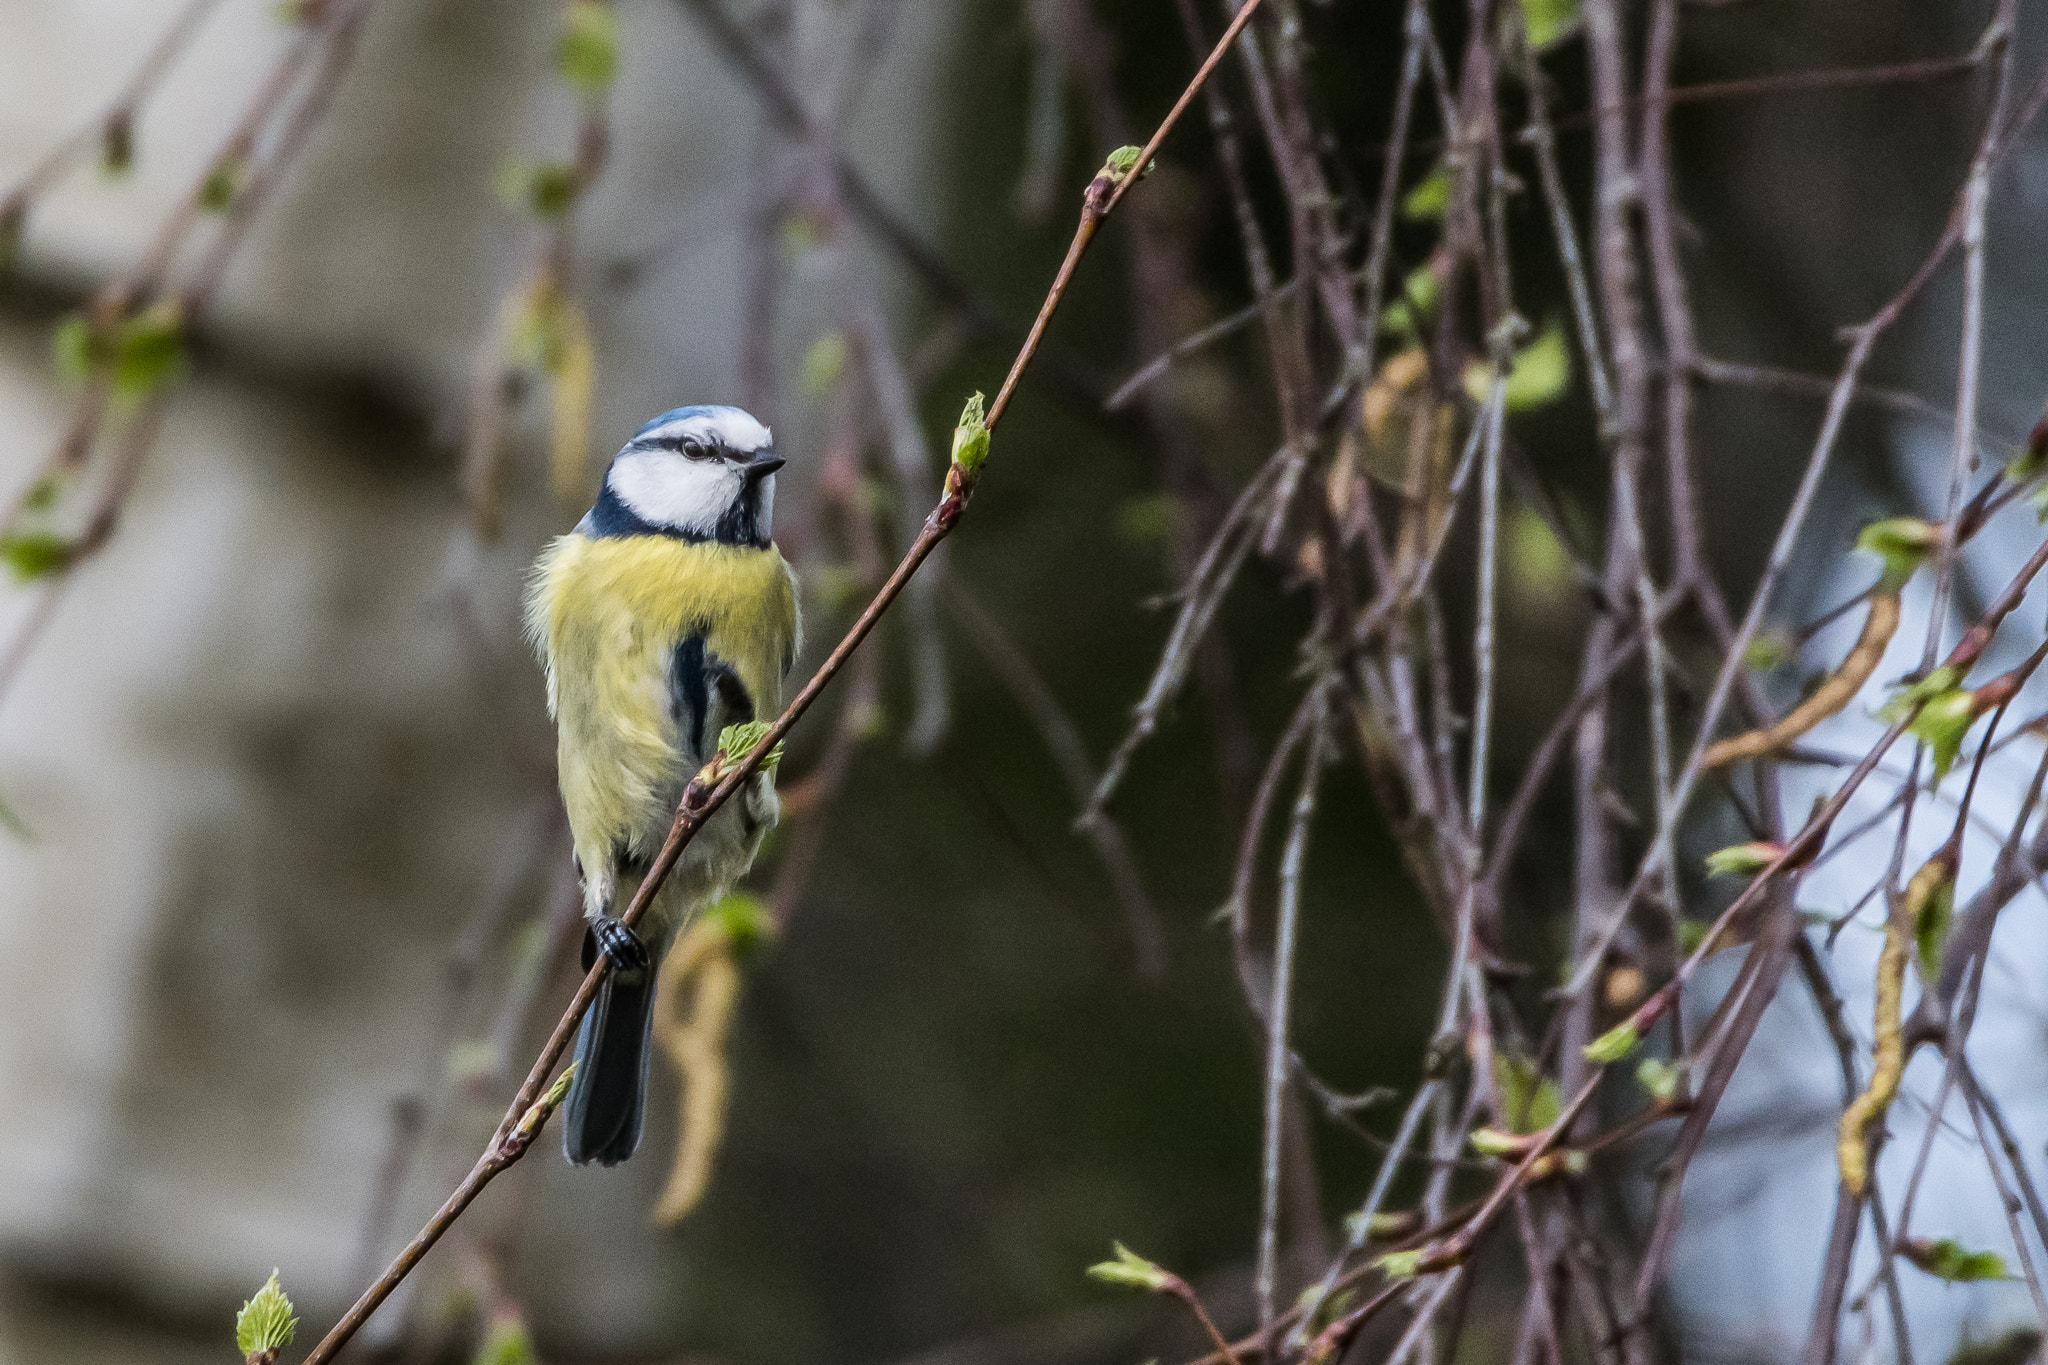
x,y
679,445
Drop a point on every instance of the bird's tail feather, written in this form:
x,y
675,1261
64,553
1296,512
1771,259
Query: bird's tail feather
x,y
607,1101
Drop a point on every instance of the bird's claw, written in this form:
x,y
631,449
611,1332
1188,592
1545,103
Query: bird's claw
x,y
626,949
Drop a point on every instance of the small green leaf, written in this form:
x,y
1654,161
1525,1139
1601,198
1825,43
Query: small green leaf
x,y
34,554
1769,649
559,1090
1946,1259
1549,20
1417,302
736,742
1430,197
1942,724
1383,1225
1903,543
822,364
587,53
42,494
1332,1307
1530,1101
223,182
1539,375
970,438
1660,1078
744,920
1399,1265
1931,923
546,190
2030,464
1493,1142
1131,1269
1743,860
74,348
117,143
265,1323
1615,1044
1118,165
1908,695
506,1342
148,349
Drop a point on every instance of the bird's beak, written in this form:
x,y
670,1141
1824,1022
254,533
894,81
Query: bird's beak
x,y
757,470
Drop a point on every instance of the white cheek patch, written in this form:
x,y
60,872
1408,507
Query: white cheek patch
x,y
669,490
732,428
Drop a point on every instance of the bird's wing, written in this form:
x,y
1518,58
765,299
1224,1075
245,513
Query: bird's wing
x,y
707,695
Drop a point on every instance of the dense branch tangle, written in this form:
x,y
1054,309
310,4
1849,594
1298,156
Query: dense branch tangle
x,y
1386,497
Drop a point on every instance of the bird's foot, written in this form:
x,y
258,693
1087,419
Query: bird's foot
x,y
626,949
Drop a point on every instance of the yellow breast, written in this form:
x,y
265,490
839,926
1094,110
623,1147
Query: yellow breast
x,y
608,614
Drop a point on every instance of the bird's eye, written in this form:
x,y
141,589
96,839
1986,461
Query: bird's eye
x,y
694,449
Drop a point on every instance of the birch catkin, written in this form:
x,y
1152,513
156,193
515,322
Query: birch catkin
x,y
1888,1055
1829,698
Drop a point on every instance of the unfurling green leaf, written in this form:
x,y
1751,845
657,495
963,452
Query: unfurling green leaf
x,y
148,349
265,1325
1429,198
506,1342
1660,1078
138,353
546,190
1129,1268
1903,543
1493,1142
1614,1044
1118,165
1743,860
970,438
587,53
738,741
1549,20
34,554
223,182
1946,1259
1399,1265
1530,1101
1942,724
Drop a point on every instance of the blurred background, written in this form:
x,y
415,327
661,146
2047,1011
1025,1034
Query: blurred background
x,y
287,908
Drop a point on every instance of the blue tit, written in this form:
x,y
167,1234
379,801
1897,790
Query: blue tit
x,y
665,616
